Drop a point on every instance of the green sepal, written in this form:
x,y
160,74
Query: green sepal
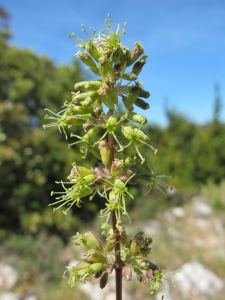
x,y
82,110
90,241
129,76
137,118
135,53
93,256
89,62
92,50
72,120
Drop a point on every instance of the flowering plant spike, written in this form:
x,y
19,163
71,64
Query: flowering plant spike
x,y
95,106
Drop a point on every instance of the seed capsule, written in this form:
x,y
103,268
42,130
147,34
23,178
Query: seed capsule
x,y
132,96
144,94
104,280
137,67
142,104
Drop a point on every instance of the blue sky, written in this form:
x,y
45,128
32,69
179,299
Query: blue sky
x,y
184,41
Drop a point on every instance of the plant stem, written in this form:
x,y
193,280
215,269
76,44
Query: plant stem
x,y
118,262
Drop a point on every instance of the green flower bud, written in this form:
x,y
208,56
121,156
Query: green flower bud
x,y
104,280
89,62
82,110
142,104
89,100
104,151
72,120
97,267
127,272
117,167
92,50
82,265
137,67
90,241
135,53
137,118
93,85
89,179
134,134
144,94
90,134
77,97
129,76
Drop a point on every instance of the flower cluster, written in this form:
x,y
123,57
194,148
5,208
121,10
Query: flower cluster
x,y
97,262
112,131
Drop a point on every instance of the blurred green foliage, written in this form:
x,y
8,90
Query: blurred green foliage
x,y
31,158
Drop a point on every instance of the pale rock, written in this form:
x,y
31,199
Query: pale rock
x,y
178,212
8,276
202,209
10,296
195,279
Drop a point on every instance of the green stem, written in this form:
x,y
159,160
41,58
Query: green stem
x,y
118,261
